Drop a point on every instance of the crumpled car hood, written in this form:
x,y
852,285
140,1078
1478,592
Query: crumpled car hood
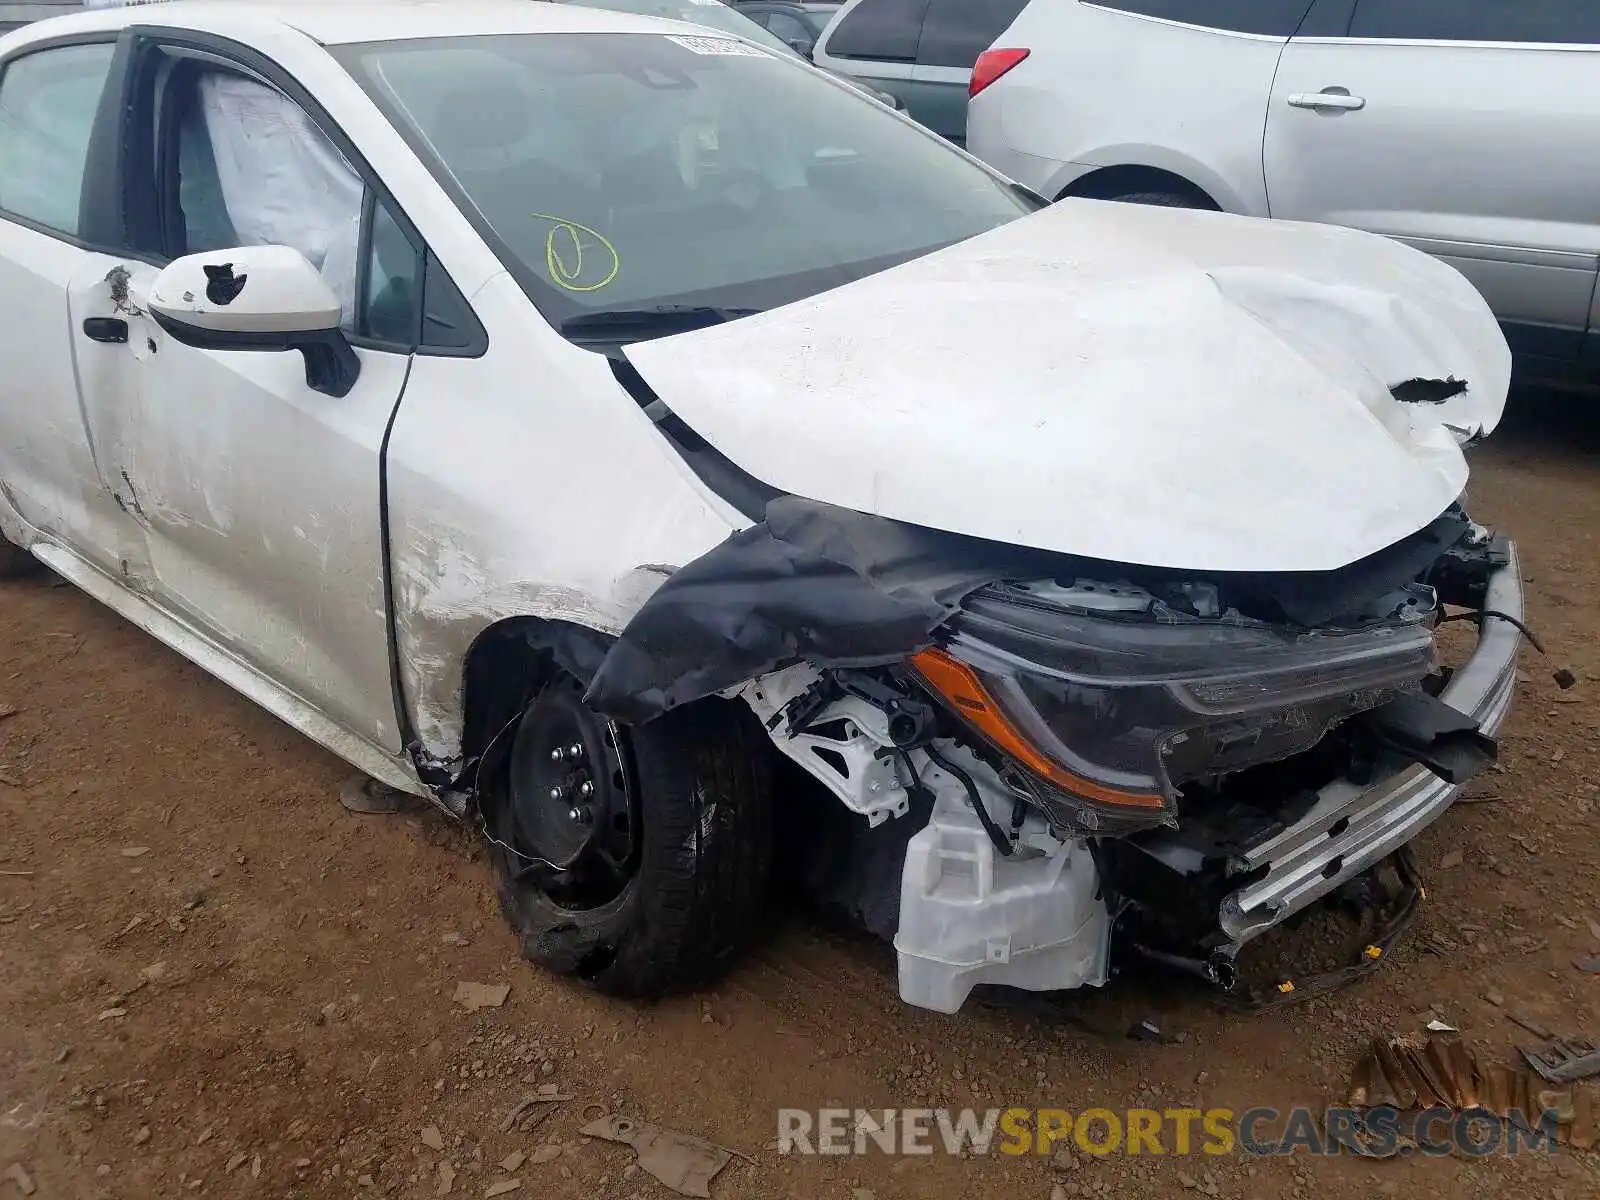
x,y
1146,385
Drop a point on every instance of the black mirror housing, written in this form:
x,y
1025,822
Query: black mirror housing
x,y
332,365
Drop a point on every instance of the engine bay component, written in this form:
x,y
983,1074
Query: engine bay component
x,y
1160,756
848,743
1034,919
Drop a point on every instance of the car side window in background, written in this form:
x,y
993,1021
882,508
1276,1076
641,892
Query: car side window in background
x,y
1268,18
957,31
791,29
1327,19
48,101
886,30
1569,21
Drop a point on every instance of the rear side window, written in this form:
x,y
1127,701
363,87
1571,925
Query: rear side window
x,y
48,101
1479,20
957,31
886,30
1269,18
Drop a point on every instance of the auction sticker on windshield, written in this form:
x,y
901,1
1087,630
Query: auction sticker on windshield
x,y
716,45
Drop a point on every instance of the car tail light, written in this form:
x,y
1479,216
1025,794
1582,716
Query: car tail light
x,y
990,66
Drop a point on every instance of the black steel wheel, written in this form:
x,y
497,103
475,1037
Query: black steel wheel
x,y
635,859
573,812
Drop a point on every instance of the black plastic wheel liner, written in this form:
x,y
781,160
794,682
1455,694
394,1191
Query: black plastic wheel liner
x,y
837,588
810,582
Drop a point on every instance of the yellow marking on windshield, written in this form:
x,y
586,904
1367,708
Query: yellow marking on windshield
x,y
567,268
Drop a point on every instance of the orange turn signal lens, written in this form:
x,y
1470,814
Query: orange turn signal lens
x,y
961,687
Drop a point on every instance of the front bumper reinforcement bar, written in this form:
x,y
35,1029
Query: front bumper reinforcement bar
x,y
1352,826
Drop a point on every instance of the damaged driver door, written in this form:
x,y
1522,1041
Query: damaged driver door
x,y
259,496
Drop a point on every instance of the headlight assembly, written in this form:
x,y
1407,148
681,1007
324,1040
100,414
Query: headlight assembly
x,y
1108,714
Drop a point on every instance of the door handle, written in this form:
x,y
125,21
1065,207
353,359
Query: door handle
x,y
1327,100
105,329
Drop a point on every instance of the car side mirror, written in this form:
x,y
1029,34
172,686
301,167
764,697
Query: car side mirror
x,y
257,298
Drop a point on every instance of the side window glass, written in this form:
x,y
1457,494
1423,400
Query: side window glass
x,y
391,301
407,299
957,31
449,326
886,30
48,101
1327,18
1268,18
1560,21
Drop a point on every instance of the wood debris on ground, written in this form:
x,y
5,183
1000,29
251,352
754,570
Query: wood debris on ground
x,y
1411,1075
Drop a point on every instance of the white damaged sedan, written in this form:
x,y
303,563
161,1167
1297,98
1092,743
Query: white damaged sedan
x,y
579,420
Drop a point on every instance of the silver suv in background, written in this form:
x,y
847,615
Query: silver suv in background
x,y
1468,128
920,50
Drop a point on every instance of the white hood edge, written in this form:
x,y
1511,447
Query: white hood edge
x,y
1146,385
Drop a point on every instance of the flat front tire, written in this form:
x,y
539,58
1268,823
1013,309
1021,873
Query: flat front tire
x,y
634,859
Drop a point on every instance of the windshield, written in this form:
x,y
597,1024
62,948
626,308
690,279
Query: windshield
x,y
713,14
619,172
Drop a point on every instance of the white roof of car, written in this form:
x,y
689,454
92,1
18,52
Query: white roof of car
x,y
334,22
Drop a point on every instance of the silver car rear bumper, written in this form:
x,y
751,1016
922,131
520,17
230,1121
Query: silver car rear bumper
x,y
1351,827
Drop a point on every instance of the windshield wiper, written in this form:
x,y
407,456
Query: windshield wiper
x,y
1028,196
651,322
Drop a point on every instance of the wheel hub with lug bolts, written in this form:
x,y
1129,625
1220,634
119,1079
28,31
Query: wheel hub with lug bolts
x,y
572,806
575,782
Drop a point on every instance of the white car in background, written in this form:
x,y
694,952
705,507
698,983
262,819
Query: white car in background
x,y
563,414
1468,128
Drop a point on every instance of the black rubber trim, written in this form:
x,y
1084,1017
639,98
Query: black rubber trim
x,y
410,741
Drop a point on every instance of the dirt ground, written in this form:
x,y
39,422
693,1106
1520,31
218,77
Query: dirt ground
x,y
213,980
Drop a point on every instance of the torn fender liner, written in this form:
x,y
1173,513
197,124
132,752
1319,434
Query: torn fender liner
x,y
839,588
811,582
576,650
